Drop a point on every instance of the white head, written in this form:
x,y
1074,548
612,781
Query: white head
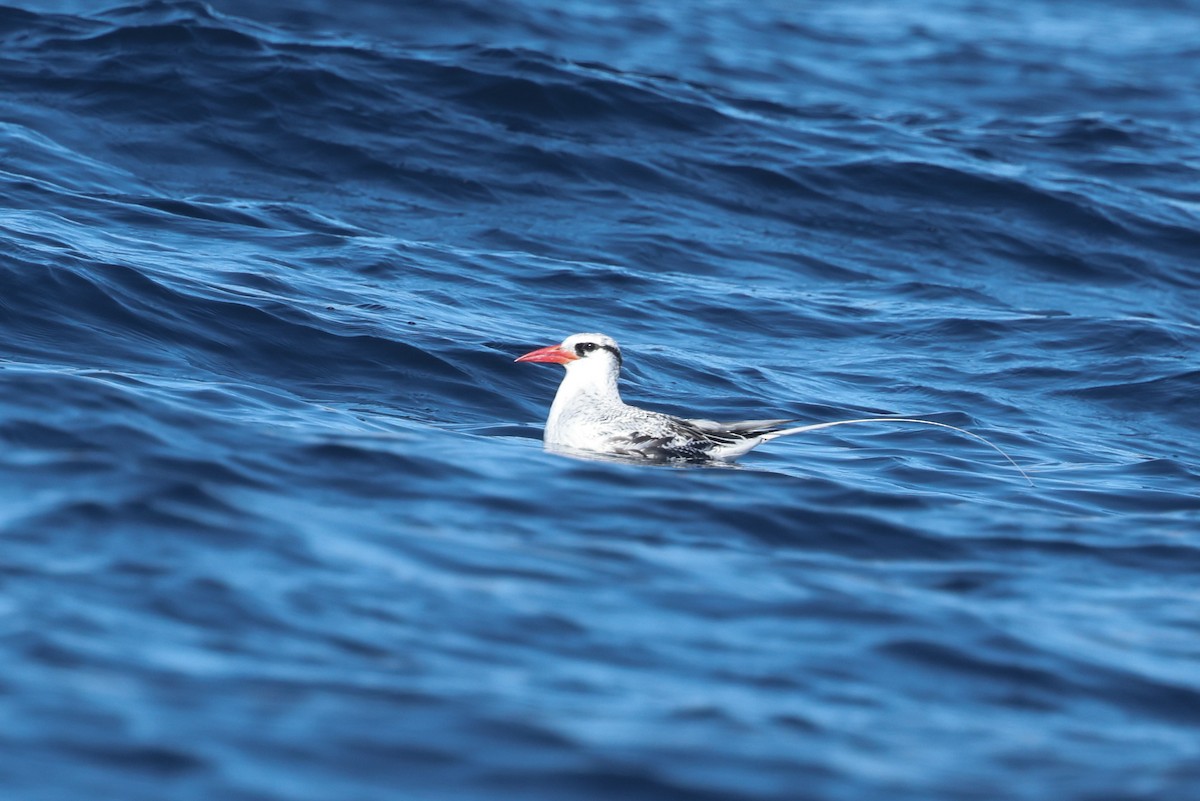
x,y
578,349
588,357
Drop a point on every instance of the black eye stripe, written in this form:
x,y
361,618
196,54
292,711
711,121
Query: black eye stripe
x,y
584,348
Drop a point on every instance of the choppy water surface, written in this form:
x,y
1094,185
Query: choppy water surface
x,y
276,521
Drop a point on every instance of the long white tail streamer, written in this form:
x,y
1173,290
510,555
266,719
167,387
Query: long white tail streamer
x,y
818,426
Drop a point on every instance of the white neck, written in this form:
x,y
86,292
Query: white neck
x,y
589,386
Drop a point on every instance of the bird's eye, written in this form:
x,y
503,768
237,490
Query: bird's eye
x,y
584,348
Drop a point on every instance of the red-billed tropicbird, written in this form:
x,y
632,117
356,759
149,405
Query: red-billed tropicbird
x,y
588,414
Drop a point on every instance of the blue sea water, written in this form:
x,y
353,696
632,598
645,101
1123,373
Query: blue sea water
x,y
275,519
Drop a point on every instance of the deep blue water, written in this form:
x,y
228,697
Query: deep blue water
x,y
275,520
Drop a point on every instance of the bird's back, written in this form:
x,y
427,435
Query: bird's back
x,y
623,430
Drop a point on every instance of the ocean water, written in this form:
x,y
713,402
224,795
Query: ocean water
x,y
275,519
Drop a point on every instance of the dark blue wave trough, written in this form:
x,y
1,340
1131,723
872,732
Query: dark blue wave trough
x,y
275,522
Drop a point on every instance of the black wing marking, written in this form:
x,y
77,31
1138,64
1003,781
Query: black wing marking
x,y
743,429
689,440
659,448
